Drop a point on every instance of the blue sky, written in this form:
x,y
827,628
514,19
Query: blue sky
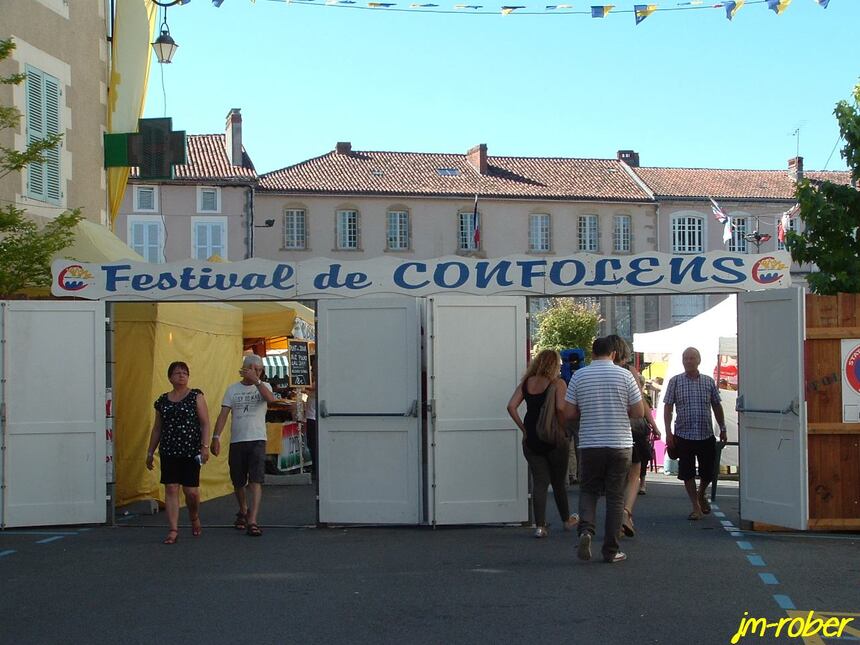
x,y
683,88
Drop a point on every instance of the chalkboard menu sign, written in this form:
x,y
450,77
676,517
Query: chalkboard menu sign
x,y
300,369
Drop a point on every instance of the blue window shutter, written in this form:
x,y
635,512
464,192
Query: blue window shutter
x,y
35,105
53,174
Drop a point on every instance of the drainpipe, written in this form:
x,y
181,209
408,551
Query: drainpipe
x,y
249,218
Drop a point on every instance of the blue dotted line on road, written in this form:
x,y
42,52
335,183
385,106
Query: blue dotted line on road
x,y
53,536
755,560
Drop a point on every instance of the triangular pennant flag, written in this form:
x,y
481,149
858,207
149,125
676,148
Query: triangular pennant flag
x,y
468,6
600,11
733,7
823,3
642,11
507,10
380,5
778,6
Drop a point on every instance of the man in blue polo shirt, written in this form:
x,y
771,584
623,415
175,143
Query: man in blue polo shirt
x,y
604,396
694,395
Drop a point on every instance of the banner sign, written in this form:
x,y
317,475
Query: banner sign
x,y
322,278
850,380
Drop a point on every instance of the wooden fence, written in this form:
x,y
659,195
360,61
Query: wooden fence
x,y
834,446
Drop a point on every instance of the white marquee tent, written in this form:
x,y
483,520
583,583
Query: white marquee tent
x,y
707,332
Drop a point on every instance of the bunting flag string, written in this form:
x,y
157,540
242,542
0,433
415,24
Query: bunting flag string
x,y
640,11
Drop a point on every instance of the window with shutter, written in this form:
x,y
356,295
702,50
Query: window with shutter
x,y
43,118
145,198
208,200
145,237
210,238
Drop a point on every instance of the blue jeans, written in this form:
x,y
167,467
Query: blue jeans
x,y
603,469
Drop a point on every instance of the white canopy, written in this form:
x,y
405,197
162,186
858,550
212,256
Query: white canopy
x,y
707,332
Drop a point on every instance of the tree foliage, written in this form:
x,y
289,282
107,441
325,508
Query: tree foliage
x,y
567,324
26,249
831,216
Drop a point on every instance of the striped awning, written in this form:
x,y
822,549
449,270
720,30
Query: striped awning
x,y
277,366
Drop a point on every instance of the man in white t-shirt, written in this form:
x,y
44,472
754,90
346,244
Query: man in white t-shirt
x,y
604,396
247,400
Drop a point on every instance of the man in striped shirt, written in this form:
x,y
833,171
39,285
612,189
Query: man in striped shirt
x,y
694,395
604,396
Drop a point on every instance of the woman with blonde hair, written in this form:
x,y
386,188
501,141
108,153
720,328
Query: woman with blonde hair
x,y
641,428
548,461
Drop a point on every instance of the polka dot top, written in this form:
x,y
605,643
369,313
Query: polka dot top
x,y
180,426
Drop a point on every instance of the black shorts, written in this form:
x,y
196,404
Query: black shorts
x,y
689,452
180,470
641,449
247,463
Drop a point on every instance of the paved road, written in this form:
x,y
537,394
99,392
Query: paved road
x,y
685,582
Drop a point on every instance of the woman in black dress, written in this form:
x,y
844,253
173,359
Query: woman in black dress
x,y
181,429
548,461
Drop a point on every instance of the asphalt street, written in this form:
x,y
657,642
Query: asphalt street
x,y
684,582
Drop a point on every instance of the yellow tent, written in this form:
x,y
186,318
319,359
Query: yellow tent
x,y
148,337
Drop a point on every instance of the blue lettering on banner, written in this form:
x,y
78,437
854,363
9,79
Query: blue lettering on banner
x,y
633,276
207,279
499,272
142,282
529,272
736,276
679,271
400,278
111,277
600,277
332,280
557,269
442,268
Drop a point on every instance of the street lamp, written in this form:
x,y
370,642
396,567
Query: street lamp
x,y
164,46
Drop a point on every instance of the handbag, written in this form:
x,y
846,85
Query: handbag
x,y
549,430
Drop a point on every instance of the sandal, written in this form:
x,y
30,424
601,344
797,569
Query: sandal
x,y
241,522
705,504
172,537
254,530
196,527
571,522
695,515
627,526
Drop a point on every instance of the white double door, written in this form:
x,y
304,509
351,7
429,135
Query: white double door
x,y
412,421
53,413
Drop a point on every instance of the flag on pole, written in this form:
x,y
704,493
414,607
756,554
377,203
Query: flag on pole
x,y
723,219
733,7
784,224
778,6
476,225
600,11
642,11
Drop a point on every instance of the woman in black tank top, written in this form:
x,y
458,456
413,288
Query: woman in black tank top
x,y
547,461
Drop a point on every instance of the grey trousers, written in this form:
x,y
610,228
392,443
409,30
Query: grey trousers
x,y
547,469
603,469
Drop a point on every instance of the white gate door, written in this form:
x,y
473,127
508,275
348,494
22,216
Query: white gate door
x,y
772,409
476,356
53,413
368,422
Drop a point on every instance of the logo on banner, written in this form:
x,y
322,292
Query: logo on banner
x,y
74,278
768,270
852,369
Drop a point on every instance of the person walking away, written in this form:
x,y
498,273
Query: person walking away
x,y
247,401
605,397
181,434
640,430
694,395
548,461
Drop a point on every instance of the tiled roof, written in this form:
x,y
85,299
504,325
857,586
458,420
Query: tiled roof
x,y
412,173
728,184
206,159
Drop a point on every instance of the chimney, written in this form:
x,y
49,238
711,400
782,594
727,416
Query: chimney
x,y
477,157
795,168
630,157
343,148
233,129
